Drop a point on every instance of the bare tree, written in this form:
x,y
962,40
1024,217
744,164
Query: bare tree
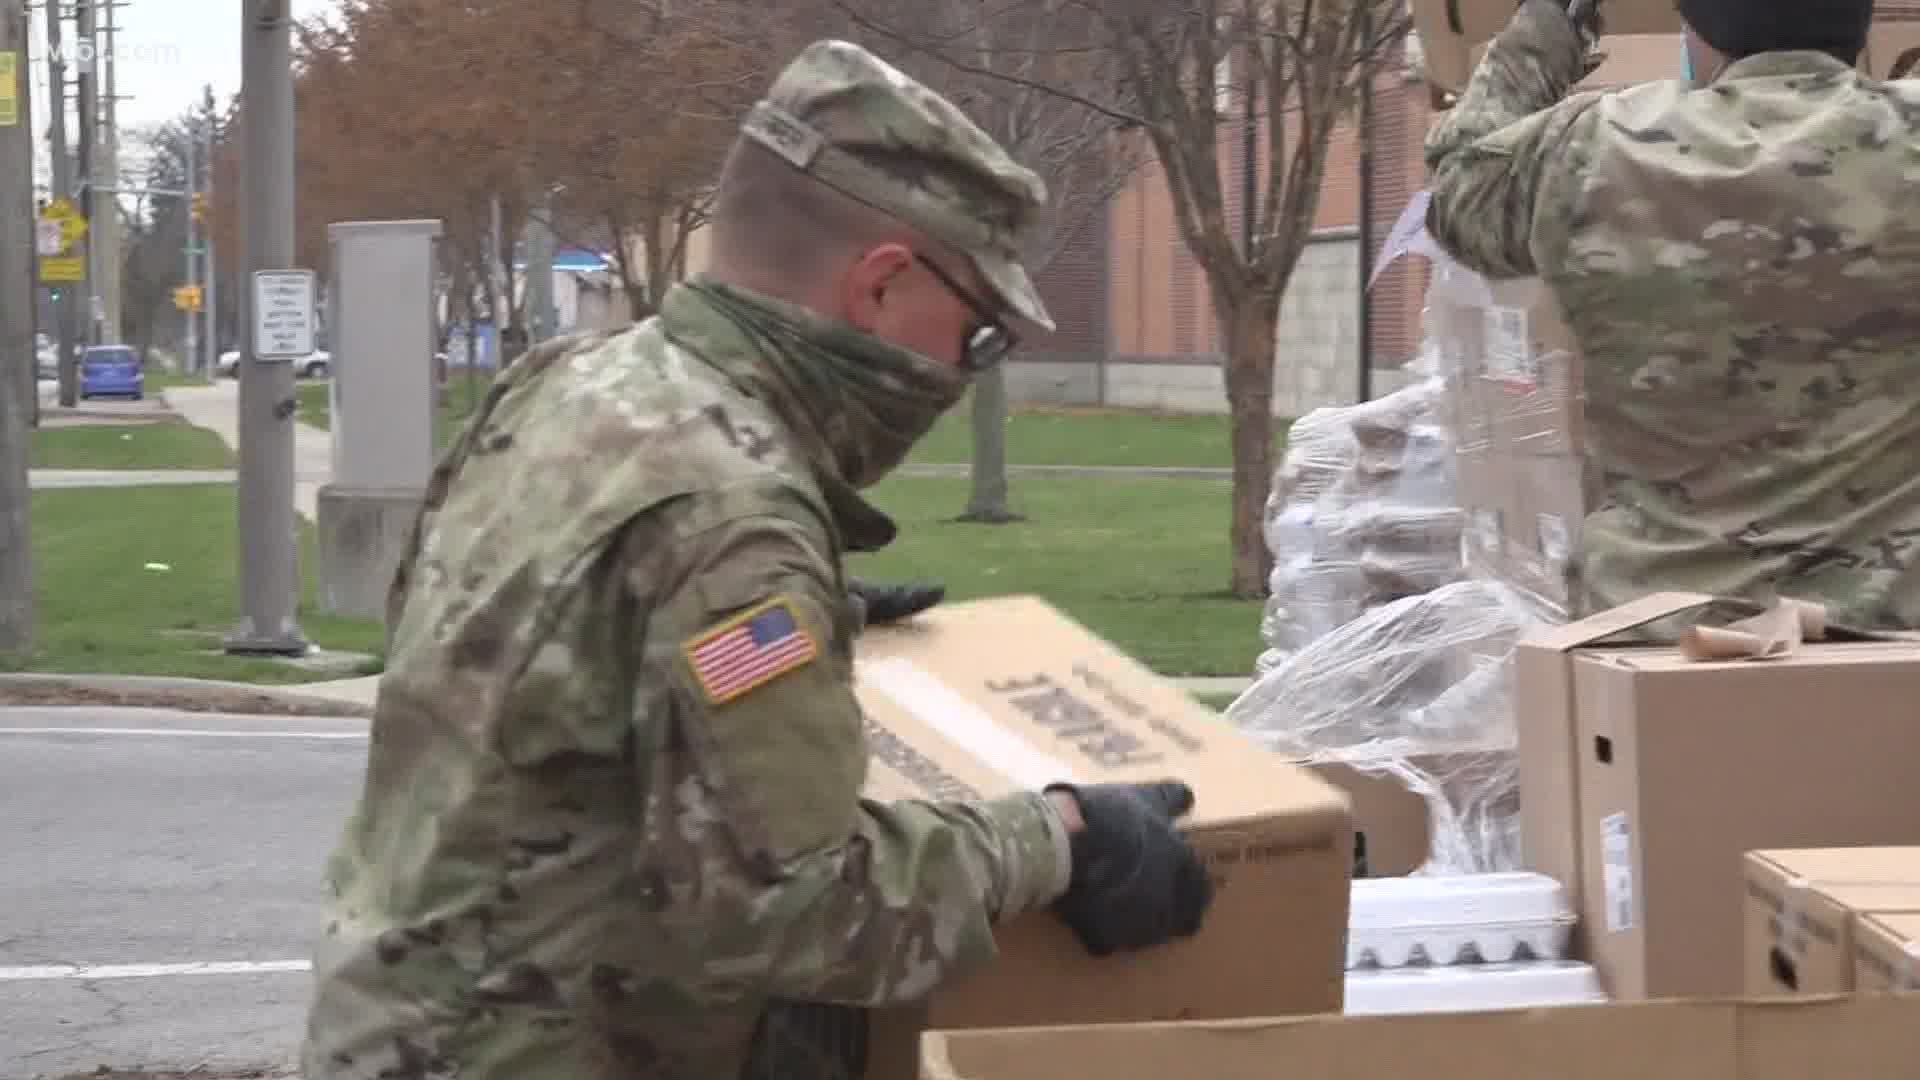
x,y
156,232
1174,73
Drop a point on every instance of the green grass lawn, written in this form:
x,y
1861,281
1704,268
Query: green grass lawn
x,y
101,608
161,380
1035,436
160,445
1048,436
1142,562
315,405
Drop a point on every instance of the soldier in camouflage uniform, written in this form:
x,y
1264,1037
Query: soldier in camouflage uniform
x,y
1738,257
612,808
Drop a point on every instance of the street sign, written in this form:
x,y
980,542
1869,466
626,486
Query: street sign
x,y
283,314
9,88
187,297
47,238
63,268
72,226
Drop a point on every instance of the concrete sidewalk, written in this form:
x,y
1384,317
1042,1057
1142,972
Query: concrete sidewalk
x,y
40,479
217,408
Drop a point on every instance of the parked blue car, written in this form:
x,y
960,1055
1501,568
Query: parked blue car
x,y
111,371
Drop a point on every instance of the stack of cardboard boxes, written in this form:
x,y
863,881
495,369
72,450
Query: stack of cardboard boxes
x,y
1832,920
1514,405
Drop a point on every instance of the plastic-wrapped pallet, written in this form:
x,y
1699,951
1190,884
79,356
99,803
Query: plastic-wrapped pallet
x,y
1416,690
1417,687
1513,408
1362,513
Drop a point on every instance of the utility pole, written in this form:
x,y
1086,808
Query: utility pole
x,y
1369,67
269,556
212,299
63,307
106,229
87,111
540,245
16,328
193,241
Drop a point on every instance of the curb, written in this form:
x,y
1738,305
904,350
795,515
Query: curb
x,y
186,695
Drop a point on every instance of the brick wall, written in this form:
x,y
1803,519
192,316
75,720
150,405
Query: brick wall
x,y
1159,305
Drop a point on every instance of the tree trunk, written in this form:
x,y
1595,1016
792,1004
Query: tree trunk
x,y
988,503
1250,326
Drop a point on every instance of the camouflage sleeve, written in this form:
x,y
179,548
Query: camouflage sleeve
x,y
1503,159
817,892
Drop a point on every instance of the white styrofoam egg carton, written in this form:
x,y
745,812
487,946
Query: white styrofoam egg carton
x,y
1465,919
1473,988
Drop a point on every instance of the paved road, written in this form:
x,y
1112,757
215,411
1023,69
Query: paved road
x,y
139,843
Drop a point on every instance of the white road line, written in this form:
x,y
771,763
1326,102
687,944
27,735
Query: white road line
x,y
94,972
184,733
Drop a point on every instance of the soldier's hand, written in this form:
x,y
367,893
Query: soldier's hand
x,y
891,603
1136,880
1587,21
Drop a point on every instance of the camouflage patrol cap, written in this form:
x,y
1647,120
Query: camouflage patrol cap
x,y
859,125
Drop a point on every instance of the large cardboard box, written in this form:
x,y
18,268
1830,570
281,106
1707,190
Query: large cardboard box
x,y
1393,824
984,698
1645,777
1893,49
1834,1038
1886,952
1392,829
1450,35
1803,907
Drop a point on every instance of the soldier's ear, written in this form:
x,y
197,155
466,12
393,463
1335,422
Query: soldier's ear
x,y
865,287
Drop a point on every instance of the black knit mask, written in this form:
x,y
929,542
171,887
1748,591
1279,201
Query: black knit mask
x,y
1740,28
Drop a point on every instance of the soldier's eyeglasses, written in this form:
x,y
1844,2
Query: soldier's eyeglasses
x,y
990,340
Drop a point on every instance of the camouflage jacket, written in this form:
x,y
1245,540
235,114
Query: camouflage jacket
x,y
612,802
1740,265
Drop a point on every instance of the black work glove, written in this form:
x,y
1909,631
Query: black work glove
x,y
892,603
1136,880
1587,21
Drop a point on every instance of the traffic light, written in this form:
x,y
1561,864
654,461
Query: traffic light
x,y
199,208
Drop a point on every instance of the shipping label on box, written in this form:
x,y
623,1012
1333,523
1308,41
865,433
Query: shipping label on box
x,y
1802,907
986,698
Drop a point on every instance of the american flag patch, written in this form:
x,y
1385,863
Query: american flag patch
x,y
748,650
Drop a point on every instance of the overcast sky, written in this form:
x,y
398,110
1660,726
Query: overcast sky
x,y
167,52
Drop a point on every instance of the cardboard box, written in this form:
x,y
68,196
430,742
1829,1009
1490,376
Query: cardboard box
x,y
1645,778
1886,952
1802,907
1450,34
983,698
1893,49
1541,412
1833,1038
1393,825
1524,519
